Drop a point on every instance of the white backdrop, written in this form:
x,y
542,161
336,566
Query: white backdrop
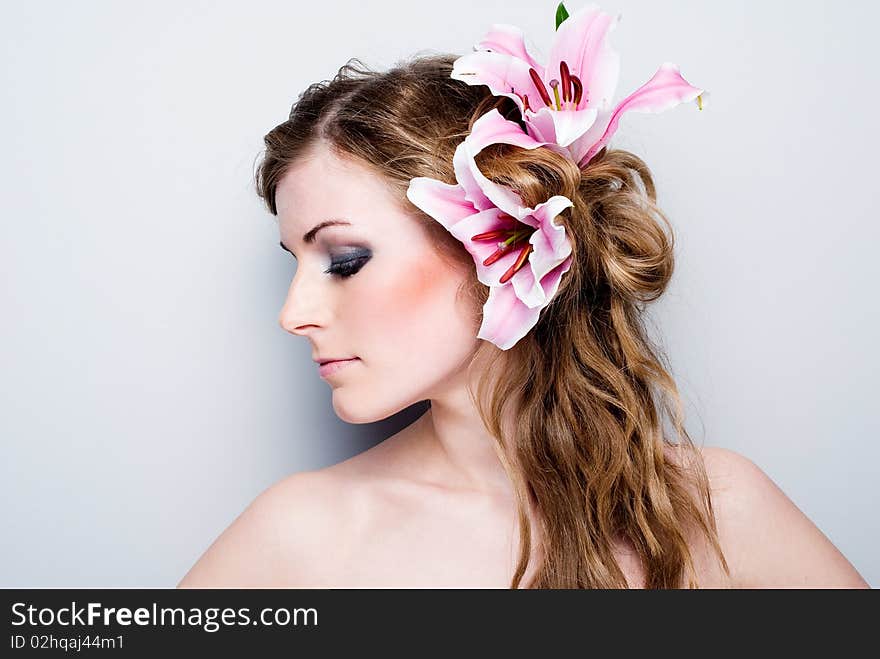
x,y
148,393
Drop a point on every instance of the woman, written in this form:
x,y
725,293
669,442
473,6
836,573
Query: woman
x,y
543,460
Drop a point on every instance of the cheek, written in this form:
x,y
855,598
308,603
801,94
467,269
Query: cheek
x,y
424,287
418,305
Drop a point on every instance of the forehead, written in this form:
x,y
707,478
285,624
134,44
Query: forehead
x,y
323,185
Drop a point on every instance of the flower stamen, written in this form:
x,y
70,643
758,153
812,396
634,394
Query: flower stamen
x,y
566,82
520,262
542,90
506,246
578,89
490,235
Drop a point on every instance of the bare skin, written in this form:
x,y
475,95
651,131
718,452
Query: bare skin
x,y
433,506
371,521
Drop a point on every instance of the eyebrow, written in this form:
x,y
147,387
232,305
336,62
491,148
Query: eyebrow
x,y
309,237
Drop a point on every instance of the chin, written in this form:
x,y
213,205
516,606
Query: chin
x,y
360,409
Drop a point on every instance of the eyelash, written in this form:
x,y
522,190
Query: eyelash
x,y
345,269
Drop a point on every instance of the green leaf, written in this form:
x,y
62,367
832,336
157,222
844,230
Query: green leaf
x,y
561,14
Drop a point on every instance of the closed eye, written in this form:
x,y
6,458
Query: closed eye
x,y
348,267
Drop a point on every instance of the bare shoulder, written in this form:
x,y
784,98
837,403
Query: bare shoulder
x,y
275,540
306,527
767,540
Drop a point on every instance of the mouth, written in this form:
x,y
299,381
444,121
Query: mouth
x,y
329,367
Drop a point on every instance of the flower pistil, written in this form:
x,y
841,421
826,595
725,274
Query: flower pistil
x,y
572,89
512,238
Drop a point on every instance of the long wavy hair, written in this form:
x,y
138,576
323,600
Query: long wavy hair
x,y
588,391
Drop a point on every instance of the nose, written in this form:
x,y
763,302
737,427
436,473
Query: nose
x,y
303,309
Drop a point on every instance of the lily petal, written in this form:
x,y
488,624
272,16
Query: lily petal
x,y
505,318
500,73
483,222
550,282
499,196
666,89
542,127
490,128
493,128
445,203
508,40
582,43
540,124
551,248
527,288
568,125
464,174
551,245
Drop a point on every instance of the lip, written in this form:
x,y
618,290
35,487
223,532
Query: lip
x,y
329,368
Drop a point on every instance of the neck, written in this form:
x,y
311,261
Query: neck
x,y
457,449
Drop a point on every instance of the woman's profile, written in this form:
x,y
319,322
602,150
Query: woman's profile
x,y
455,245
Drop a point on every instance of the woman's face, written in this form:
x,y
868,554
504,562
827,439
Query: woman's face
x,y
395,311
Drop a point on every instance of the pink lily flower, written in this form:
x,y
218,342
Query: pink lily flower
x,y
568,101
520,253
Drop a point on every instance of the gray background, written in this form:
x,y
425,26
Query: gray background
x,y
148,393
